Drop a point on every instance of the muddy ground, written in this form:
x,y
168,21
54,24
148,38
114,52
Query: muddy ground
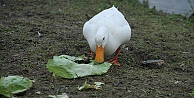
x,y
33,31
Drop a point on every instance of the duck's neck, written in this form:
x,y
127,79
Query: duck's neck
x,y
102,36
102,29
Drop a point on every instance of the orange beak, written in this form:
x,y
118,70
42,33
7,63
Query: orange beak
x,y
99,54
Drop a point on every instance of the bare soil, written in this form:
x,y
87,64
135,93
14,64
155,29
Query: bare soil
x,y
33,31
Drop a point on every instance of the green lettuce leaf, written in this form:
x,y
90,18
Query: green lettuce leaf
x,y
13,85
64,95
66,67
86,86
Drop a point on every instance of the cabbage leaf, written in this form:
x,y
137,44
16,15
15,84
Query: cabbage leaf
x,y
65,66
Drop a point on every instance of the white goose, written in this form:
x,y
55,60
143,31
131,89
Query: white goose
x,y
106,32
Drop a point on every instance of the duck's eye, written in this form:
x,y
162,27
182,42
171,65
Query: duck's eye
x,y
103,38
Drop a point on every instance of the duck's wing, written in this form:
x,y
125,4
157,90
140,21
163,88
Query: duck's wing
x,y
117,25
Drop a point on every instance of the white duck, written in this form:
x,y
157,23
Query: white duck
x,y
106,32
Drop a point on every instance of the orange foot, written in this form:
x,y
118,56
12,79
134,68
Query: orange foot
x,y
115,62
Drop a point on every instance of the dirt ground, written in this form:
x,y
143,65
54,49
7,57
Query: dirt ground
x,y
33,31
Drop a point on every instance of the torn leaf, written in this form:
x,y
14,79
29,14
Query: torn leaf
x,y
65,66
86,86
64,95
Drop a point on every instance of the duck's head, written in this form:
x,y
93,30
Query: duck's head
x,y
101,39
